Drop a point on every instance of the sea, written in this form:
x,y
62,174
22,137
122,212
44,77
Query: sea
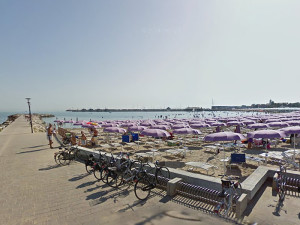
x,y
104,116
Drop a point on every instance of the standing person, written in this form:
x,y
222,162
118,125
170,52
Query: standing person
x,y
83,139
49,134
94,137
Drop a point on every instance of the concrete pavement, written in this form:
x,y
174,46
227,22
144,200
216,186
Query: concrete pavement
x,y
34,190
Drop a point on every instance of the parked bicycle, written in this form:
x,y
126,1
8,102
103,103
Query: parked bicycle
x,y
281,182
231,188
149,181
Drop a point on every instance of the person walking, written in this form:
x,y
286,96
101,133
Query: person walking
x,y
49,134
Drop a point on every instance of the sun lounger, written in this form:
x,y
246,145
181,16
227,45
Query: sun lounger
x,y
202,165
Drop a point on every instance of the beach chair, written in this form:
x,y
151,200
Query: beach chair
x,y
202,165
237,159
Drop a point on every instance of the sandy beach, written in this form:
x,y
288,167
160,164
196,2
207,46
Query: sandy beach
x,y
192,148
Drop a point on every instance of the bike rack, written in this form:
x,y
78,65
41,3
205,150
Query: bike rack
x,y
202,194
292,184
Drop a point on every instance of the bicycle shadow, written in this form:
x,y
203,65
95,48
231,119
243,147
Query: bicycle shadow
x,y
101,198
50,167
79,177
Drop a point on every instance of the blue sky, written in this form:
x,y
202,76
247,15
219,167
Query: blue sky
x,y
136,54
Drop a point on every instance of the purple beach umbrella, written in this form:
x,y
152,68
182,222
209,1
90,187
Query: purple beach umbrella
x,y
271,134
155,133
186,131
115,130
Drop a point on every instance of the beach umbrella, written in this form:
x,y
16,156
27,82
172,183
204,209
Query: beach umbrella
x,y
180,125
278,124
137,128
128,124
155,133
293,122
114,130
270,134
186,131
234,123
248,122
292,130
258,126
224,136
147,123
163,127
199,125
218,124
110,125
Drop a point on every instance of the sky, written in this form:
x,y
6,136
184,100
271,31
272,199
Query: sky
x,y
147,53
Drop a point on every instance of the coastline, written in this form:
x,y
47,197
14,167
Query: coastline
x,y
37,121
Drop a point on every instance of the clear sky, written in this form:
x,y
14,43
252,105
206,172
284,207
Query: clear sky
x,y
147,53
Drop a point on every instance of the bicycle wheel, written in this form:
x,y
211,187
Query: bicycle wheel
x,y
142,188
103,174
89,167
113,179
63,158
55,157
163,172
97,172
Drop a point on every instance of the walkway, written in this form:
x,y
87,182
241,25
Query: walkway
x,y
34,190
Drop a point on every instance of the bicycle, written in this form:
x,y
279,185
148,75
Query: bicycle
x,y
133,169
148,181
281,182
231,188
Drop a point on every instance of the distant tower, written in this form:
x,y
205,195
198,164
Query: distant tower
x,y
212,102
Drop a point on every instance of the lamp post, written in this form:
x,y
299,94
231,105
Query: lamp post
x,y
28,101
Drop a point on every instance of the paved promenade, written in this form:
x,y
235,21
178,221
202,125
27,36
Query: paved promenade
x,y
34,190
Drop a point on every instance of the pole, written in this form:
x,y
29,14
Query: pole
x,y
28,101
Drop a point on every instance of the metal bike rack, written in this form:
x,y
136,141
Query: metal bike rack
x,y
292,184
202,194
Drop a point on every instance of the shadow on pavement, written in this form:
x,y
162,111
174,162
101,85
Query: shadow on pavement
x,y
86,184
50,167
79,177
37,146
256,198
100,196
33,151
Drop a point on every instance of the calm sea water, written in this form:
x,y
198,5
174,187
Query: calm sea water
x,y
4,115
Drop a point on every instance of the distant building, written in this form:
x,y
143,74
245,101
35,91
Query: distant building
x,y
224,107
